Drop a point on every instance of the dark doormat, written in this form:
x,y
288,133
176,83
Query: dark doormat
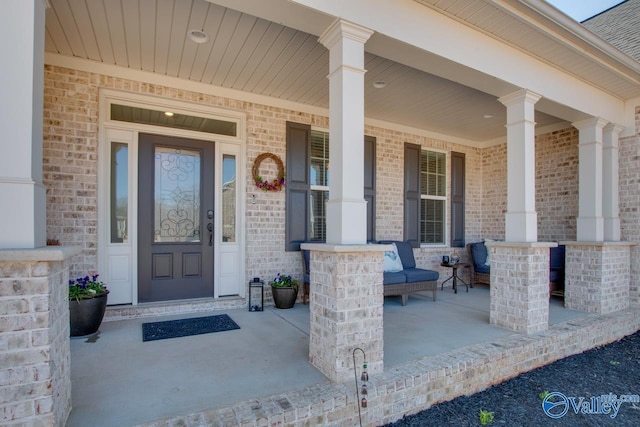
x,y
186,327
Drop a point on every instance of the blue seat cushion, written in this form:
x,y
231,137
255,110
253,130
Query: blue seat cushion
x,y
420,275
394,278
306,278
479,256
482,268
556,257
555,275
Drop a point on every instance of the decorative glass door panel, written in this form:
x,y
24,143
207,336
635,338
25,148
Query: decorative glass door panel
x,y
177,195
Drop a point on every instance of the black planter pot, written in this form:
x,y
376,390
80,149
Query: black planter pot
x,y
284,297
85,316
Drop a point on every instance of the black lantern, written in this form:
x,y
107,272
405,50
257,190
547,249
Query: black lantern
x,y
256,294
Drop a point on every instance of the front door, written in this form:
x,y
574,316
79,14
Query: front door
x,y
175,218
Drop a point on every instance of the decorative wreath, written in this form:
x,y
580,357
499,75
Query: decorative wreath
x,y
277,183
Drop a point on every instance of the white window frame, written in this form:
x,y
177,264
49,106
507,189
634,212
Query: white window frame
x,y
444,198
324,188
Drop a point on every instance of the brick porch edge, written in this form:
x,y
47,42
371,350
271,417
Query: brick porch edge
x,y
415,386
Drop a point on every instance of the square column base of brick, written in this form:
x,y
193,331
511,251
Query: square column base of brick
x,y
519,293
35,308
597,276
346,308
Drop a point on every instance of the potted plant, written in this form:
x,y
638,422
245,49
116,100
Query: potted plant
x,y
284,289
87,304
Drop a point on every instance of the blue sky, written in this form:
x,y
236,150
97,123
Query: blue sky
x,y
583,9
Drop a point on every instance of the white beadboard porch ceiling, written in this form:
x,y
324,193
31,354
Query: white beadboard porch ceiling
x,y
258,56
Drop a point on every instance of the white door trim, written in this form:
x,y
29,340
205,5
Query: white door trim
x,y
117,262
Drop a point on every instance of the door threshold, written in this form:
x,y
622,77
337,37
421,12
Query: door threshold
x,y
169,308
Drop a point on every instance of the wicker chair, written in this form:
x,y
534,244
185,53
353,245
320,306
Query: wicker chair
x,y
556,271
480,272
306,278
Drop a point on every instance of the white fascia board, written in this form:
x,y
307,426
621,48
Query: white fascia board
x,y
417,25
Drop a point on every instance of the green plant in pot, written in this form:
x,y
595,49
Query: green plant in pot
x,y
284,289
87,304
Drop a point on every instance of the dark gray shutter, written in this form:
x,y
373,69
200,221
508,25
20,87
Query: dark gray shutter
x,y
457,199
370,185
298,189
412,194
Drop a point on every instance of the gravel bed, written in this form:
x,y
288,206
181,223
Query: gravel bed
x,y
613,368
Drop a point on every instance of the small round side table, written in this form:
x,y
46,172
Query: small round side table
x,y
454,275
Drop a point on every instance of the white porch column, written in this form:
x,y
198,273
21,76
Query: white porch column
x,y
22,211
346,208
610,195
521,219
590,223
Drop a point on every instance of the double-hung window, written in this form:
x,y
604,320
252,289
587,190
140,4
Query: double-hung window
x,y
433,197
319,181
425,197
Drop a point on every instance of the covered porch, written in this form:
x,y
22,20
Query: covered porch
x,y
577,102
261,372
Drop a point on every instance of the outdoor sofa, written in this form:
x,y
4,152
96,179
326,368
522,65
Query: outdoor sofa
x,y
409,278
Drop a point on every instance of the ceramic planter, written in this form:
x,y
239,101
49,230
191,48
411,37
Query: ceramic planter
x,y
85,316
284,297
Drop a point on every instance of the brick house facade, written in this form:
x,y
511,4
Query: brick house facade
x,y
54,168
70,174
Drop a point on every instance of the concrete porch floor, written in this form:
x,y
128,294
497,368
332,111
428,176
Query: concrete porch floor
x,y
118,380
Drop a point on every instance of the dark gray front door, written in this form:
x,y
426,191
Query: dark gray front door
x,y
175,218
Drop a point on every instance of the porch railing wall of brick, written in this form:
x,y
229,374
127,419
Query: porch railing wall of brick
x,y
415,386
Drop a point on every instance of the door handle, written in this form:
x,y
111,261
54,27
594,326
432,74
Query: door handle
x,y
210,228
